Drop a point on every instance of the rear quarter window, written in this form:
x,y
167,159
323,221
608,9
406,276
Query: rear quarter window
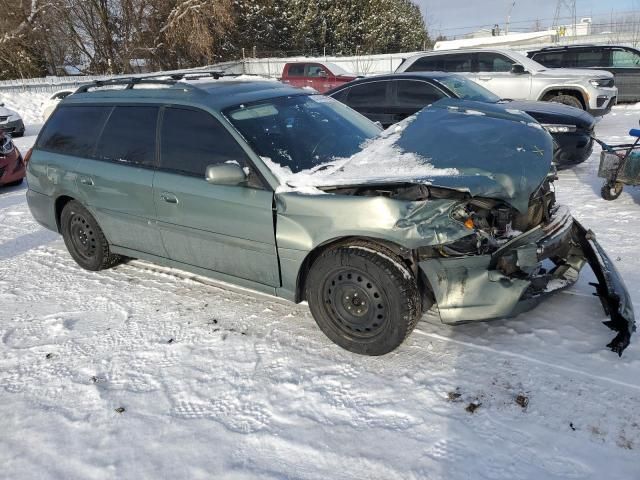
x,y
73,130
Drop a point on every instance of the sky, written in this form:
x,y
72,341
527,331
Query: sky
x,y
456,17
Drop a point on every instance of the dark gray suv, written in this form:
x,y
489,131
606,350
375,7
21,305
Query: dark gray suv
x,y
623,62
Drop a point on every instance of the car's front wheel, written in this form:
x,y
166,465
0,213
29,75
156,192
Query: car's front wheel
x,y
84,238
364,299
567,100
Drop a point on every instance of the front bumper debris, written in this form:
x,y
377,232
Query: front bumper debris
x,y
525,270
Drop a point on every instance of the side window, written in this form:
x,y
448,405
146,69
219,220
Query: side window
x,y
129,136
416,94
625,59
367,94
342,95
593,57
194,139
427,64
296,70
494,62
74,130
551,60
315,70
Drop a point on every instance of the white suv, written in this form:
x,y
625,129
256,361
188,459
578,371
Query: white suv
x,y
511,75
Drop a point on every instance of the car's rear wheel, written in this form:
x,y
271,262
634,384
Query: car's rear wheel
x,y
566,100
84,238
365,300
611,192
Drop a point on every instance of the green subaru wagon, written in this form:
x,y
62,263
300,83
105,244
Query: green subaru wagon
x,y
294,194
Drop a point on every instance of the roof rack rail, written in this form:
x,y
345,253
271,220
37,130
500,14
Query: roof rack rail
x,y
567,47
196,74
160,78
129,83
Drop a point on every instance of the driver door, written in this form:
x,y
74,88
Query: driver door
x,y
222,228
493,71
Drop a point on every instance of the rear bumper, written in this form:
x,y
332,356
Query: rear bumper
x,y
524,271
42,208
14,128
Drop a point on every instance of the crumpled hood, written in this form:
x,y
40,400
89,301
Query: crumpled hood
x,y
483,149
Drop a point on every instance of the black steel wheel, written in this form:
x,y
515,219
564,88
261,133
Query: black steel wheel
x,y
84,238
364,300
611,192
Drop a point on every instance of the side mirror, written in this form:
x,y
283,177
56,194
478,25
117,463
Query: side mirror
x,y
225,174
323,74
518,69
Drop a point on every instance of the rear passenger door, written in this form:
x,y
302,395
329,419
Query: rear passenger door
x,y
410,96
372,99
114,177
222,228
625,65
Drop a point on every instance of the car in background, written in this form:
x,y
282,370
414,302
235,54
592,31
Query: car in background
x,y
512,75
11,122
321,76
50,104
12,168
623,62
312,201
389,99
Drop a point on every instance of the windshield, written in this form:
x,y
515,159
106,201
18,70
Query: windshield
x,y
468,90
301,132
337,69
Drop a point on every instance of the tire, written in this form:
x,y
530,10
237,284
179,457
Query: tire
x,y
363,298
84,238
567,100
609,192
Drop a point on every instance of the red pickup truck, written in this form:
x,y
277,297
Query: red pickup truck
x,y
319,76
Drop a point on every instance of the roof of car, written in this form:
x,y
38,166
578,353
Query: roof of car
x,y
217,94
393,76
576,46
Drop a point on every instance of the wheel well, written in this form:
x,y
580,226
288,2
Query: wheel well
x,y
59,205
572,93
403,254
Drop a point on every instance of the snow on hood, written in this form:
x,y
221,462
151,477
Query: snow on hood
x,y
483,149
379,161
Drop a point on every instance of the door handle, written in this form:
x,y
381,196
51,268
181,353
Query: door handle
x,y
169,197
484,78
86,181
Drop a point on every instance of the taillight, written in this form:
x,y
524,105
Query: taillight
x,y
27,157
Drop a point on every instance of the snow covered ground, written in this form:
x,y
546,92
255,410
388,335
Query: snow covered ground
x,y
142,372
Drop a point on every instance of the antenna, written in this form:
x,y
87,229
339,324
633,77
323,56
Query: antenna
x,y
567,7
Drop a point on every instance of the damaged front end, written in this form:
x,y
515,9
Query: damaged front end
x,y
510,262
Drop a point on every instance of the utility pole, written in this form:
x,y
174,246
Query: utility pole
x,y
566,7
509,17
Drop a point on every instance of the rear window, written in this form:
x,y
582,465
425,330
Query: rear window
x,y
73,130
368,94
129,136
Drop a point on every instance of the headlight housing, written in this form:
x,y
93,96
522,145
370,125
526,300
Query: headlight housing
x,y
558,128
602,82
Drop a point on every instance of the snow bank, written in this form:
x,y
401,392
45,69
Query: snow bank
x,y
28,105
